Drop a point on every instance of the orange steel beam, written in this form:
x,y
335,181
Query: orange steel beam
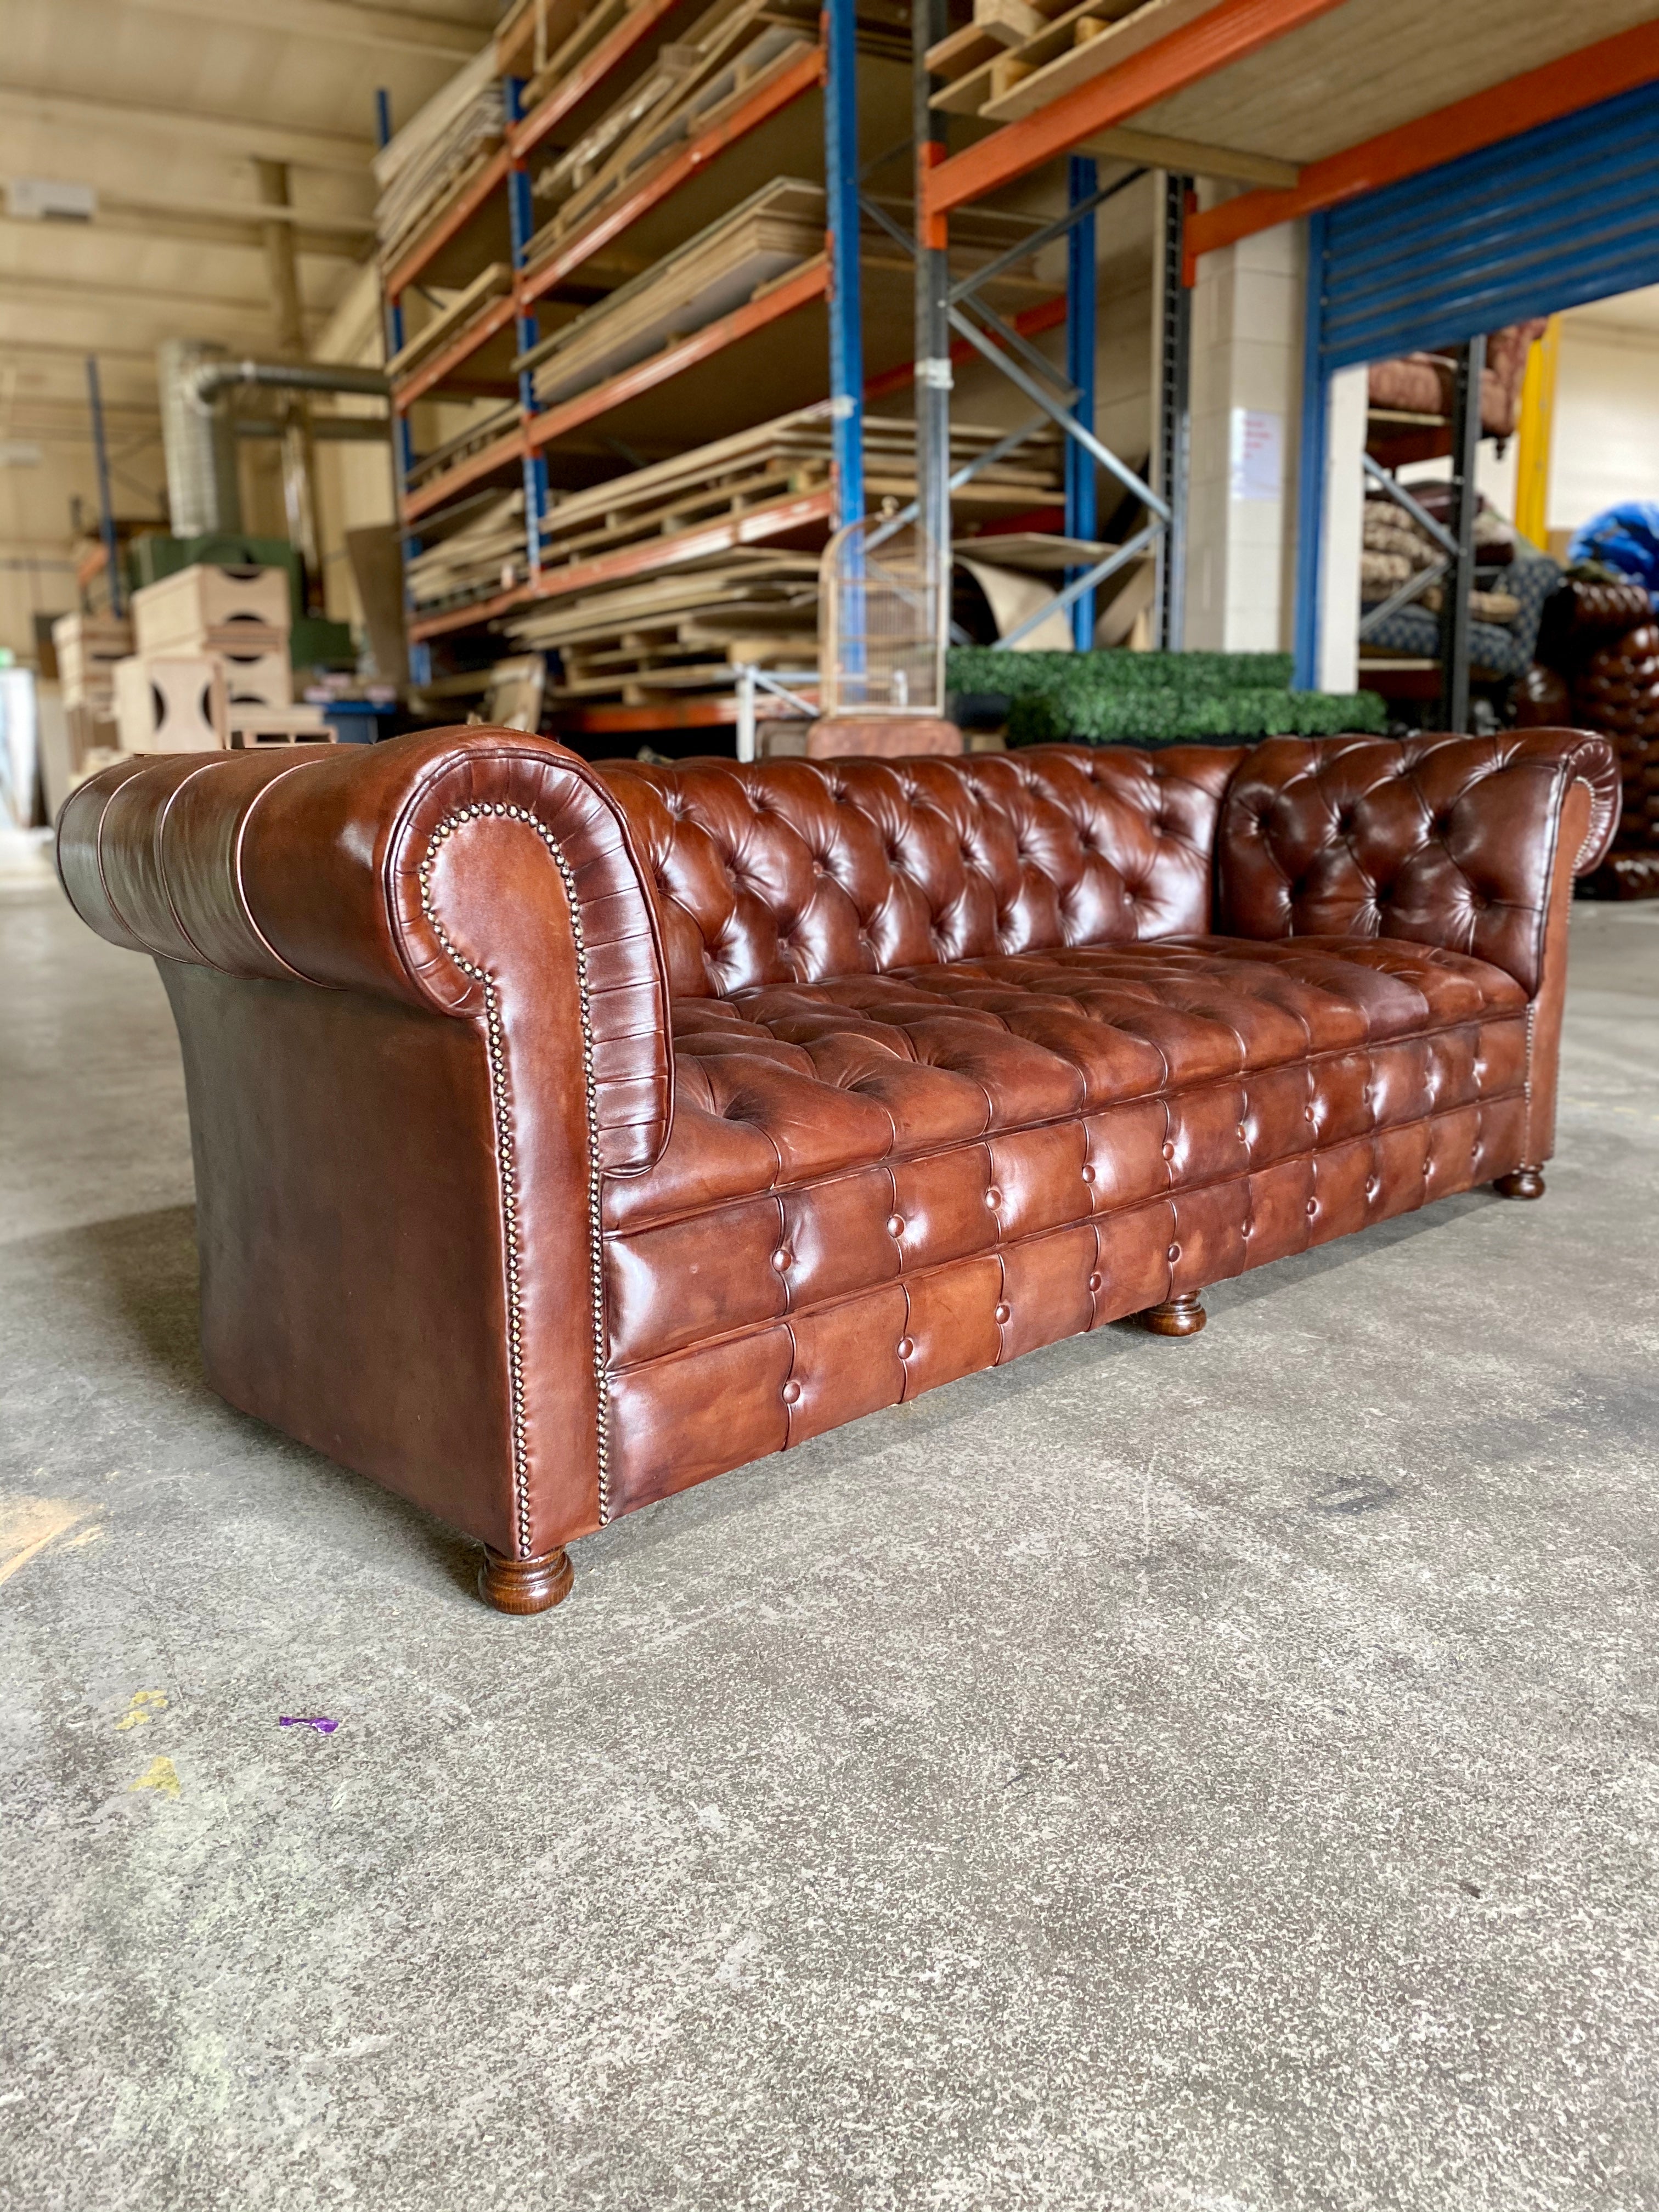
x,y
1227,33
651,553
802,74
493,173
810,282
1540,96
575,88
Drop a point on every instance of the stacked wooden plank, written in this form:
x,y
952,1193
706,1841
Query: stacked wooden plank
x,y
771,233
682,631
692,86
1017,56
685,627
466,306
438,153
472,549
484,430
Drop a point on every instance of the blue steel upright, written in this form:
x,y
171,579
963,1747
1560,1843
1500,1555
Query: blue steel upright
x,y
521,224
1311,463
840,162
402,438
1082,184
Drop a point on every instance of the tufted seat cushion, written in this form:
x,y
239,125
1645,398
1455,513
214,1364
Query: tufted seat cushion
x,y
951,1165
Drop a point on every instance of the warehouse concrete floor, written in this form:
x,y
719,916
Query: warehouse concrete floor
x,y
1212,1775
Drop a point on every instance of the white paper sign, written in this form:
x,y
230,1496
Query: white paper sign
x,y
1257,454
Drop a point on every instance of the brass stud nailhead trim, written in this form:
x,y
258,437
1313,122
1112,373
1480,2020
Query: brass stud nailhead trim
x,y
497,1063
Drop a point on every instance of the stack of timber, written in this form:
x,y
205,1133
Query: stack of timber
x,y
471,551
681,617
694,84
438,153
682,631
736,258
465,307
781,458
482,429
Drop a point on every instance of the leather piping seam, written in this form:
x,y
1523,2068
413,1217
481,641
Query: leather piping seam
x,y
242,906
161,865
504,1153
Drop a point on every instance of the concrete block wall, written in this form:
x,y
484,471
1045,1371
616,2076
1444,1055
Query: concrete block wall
x,y
1246,396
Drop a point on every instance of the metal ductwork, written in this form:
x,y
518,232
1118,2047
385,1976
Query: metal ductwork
x,y
198,430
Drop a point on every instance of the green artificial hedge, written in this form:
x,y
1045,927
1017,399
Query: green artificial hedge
x,y
1099,698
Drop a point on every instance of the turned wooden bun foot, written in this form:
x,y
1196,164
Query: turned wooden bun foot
x,y
1525,1182
1182,1317
525,1585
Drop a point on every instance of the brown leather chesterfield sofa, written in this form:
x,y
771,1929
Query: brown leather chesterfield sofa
x,y
564,1136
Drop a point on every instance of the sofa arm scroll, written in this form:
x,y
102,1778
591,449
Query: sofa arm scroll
x,y
416,870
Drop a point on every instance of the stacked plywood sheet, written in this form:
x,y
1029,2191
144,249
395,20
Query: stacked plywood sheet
x,y
438,153
472,550
772,232
451,320
774,460
693,85
684,628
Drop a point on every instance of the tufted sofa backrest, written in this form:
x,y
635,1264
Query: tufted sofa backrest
x,y
1446,839
794,869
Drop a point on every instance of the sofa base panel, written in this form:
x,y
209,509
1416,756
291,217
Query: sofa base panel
x,y
523,1586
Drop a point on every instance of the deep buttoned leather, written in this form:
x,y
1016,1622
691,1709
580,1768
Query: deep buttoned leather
x,y
564,1136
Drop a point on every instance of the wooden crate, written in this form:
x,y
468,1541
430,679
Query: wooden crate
x,y
168,617
171,704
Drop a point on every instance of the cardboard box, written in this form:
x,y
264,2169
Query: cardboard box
x,y
182,608
171,704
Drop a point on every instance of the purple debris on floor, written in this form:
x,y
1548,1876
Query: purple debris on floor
x,y
320,1722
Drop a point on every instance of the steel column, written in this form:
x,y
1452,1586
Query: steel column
x,y
840,155
930,19
105,510
1455,601
521,224
1174,413
402,437
1310,463
1081,285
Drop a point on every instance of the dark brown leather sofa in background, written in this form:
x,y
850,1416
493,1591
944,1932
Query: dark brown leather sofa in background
x,y
565,1136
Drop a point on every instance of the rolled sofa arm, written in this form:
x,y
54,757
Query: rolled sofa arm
x,y
423,1010
339,868
1449,840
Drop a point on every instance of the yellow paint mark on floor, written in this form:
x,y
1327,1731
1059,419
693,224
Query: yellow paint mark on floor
x,y
27,1525
161,1774
146,1704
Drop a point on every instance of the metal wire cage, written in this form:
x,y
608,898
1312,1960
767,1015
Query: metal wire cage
x,y
884,605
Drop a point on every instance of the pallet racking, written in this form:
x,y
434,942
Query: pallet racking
x,y
1221,89
824,101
